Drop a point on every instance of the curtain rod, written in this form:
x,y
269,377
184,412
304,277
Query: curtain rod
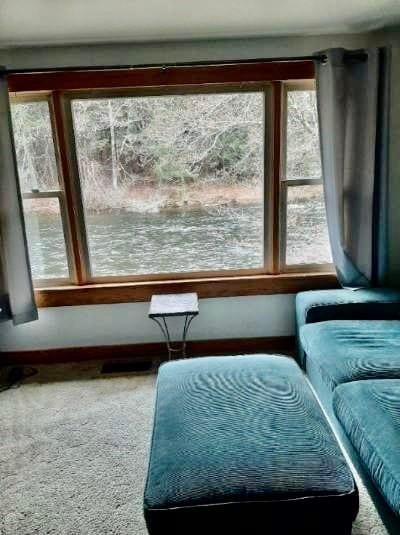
x,y
356,55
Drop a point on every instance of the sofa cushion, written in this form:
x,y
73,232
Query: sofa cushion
x,y
240,445
346,350
369,412
326,305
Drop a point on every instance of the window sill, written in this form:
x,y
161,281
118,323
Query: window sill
x,y
95,294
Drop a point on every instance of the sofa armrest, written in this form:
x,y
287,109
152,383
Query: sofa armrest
x,y
325,305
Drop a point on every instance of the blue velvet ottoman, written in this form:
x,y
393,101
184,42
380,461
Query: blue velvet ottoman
x,y
240,445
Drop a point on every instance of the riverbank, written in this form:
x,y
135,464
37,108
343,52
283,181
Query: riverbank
x,y
156,199
172,198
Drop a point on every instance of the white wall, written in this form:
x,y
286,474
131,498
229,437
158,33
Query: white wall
x,y
147,53
220,318
126,323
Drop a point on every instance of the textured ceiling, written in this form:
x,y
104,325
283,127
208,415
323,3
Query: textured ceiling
x,y
101,21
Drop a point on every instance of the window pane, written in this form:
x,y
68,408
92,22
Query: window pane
x,y
172,183
307,239
303,152
45,238
37,171
34,146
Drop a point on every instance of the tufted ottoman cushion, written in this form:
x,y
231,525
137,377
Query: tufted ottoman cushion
x,y
240,445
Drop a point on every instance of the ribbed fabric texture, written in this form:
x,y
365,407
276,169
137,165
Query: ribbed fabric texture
x,y
369,412
352,350
326,305
240,429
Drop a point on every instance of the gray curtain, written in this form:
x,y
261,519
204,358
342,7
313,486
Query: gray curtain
x,y
353,109
16,292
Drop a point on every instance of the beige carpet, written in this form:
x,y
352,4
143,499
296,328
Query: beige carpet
x,y
73,455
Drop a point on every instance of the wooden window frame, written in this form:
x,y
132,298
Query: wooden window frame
x,y
60,88
285,184
59,195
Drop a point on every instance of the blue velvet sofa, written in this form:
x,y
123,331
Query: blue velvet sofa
x,y
349,346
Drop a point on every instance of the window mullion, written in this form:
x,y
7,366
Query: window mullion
x,y
268,178
36,194
276,179
303,182
62,124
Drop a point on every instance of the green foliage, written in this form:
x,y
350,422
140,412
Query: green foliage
x,y
169,168
229,150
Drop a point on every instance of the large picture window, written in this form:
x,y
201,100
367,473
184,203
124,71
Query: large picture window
x,y
151,177
172,184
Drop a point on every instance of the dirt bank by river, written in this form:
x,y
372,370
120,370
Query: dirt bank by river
x,y
171,198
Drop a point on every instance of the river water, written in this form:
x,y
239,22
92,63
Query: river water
x,y
194,240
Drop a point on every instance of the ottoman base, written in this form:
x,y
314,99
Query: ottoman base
x,y
240,445
249,519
